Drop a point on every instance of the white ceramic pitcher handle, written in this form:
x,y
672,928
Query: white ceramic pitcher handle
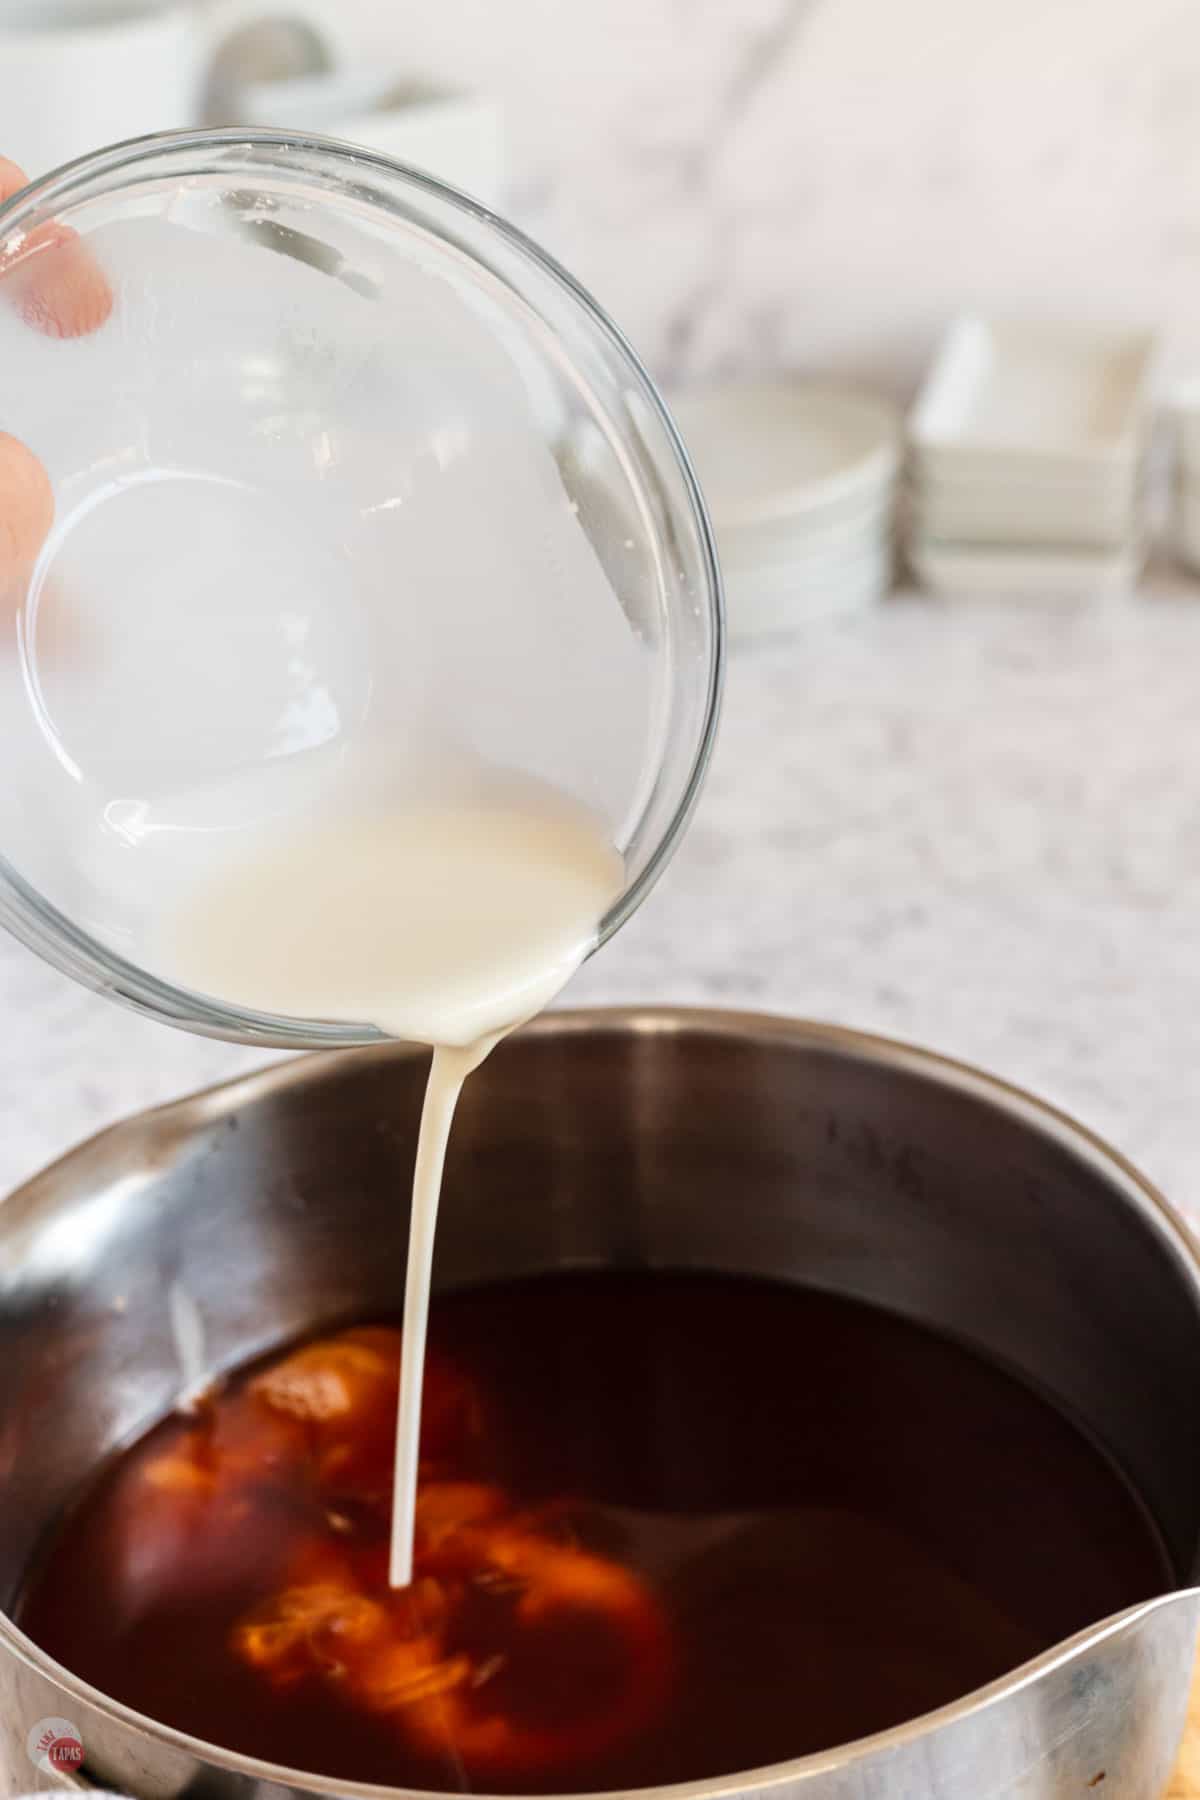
x,y
269,39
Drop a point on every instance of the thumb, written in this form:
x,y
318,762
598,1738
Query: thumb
x,y
60,290
26,509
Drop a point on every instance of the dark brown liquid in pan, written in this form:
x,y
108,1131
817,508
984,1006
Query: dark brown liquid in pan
x,y
673,1527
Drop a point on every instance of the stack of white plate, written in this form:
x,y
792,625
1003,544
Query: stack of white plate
x,y
1026,460
1185,500
800,479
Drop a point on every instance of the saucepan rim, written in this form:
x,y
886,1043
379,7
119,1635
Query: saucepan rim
x,y
178,1120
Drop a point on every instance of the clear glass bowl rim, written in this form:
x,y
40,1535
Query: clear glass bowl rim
x,y
55,937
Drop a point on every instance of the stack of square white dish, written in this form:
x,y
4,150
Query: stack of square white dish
x,y
1026,460
800,479
1185,498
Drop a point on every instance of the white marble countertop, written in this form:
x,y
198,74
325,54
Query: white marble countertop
x,y
977,828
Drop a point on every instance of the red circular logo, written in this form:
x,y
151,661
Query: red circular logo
x,y
64,1753
55,1746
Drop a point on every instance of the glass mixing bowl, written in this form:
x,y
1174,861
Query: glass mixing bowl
x,y
336,455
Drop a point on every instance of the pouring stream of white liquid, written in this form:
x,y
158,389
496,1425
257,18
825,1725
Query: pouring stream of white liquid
x,y
447,1072
449,925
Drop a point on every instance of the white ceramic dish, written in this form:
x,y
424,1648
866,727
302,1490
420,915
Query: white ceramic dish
x,y
754,614
460,138
1099,486
74,77
819,562
1077,398
780,602
849,575
774,449
1032,515
1101,481
316,101
811,568
968,573
790,548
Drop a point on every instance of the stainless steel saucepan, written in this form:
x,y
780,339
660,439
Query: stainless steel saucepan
x,y
681,1140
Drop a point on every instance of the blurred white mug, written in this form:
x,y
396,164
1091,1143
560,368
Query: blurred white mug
x,y
76,75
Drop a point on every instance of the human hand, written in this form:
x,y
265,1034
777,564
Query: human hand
x,y
59,290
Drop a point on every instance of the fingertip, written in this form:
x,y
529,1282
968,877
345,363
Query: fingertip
x,y
12,179
61,289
